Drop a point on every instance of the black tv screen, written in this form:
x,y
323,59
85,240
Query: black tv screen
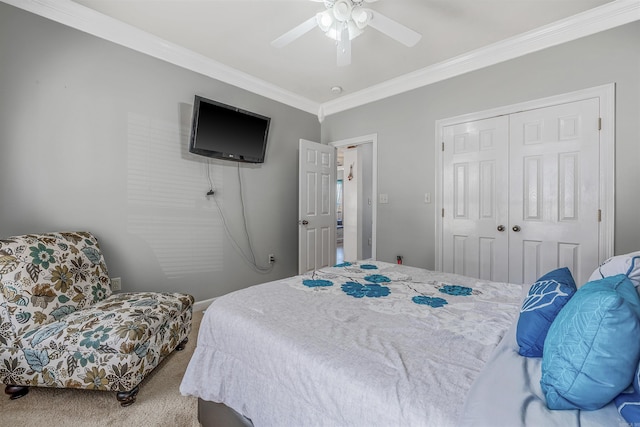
x,y
225,132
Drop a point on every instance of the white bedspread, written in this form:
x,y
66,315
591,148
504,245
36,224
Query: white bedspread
x,y
371,344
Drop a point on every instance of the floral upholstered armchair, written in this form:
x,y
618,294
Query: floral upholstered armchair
x,y
61,326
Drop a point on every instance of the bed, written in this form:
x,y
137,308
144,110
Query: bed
x,y
373,344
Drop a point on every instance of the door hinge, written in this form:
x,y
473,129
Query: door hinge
x,y
599,123
599,215
443,146
442,212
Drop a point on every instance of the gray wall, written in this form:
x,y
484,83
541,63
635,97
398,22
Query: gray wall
x,y
405,125
94,136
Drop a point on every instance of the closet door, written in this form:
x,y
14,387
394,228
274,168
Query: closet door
x,y
475,199
554,192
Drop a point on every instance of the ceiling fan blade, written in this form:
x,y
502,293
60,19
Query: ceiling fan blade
x,y
296,32
344,48
393,29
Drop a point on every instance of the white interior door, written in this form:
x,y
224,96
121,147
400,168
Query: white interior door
x,y
316,209
475,199
554,195
521,194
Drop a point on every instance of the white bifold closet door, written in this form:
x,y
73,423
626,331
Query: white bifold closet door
x,y
520,194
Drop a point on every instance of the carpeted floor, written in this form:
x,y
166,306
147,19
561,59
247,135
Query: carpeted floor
x,y
159,401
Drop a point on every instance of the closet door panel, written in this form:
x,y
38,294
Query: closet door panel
x,y
475,198
554,158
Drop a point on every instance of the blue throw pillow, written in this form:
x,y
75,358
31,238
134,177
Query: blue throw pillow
x,y
629,403
543,303
592,348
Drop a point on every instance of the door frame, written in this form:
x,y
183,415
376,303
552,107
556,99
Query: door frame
x,y
606,95
361,140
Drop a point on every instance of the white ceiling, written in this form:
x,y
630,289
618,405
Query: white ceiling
x,y
230,40
238,33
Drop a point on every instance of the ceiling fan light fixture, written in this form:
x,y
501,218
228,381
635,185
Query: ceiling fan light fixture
x,y
342,10
334,30
325,20
360,17
343,13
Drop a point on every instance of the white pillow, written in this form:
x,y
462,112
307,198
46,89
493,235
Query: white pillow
x,y
628,264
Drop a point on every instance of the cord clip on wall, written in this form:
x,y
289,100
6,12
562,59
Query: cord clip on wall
x,y
210,193
399,259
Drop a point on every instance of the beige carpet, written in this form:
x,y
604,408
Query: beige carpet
x,y
159,401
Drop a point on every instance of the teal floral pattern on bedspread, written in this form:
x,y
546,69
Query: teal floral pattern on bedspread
x,y
456,290
61,326
392,290
434,302
316,283
372,290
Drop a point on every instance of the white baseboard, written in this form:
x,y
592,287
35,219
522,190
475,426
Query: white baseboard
x,y
202,305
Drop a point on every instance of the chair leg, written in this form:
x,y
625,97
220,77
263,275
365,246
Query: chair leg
x,y
16,391
127,398
182,345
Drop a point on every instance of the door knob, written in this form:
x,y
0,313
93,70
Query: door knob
x,y
501,228
516,228
303,222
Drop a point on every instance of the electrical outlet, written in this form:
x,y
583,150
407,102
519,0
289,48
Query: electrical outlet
x,y
116,283
272,258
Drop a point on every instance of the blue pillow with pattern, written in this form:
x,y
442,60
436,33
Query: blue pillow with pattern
x,y
592,349
628,403
543,303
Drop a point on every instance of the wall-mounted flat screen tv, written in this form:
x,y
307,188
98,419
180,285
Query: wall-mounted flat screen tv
x,y
225,132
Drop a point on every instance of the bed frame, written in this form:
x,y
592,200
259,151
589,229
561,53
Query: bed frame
x,y
212,414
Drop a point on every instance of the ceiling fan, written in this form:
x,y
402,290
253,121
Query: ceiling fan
x,y
343,20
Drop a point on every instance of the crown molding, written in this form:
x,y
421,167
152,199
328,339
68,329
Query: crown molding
x,y
74,15
89,21
607,16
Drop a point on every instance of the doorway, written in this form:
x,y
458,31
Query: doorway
x,y
339,209
356,187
